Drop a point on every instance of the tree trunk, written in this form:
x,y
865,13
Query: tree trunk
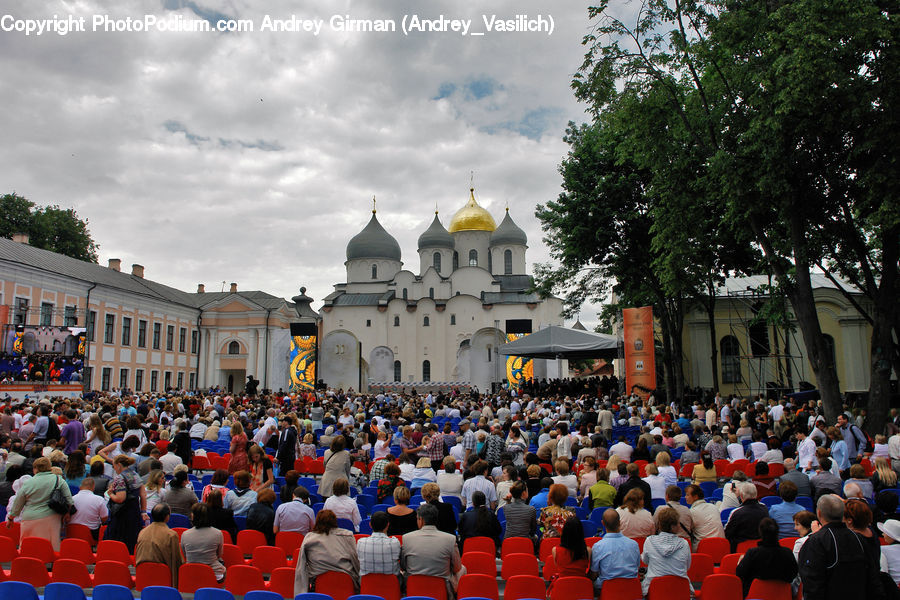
x,y
668,365
883,346
713,336
676,325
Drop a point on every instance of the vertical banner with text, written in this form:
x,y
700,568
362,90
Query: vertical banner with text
x,y
519,369
640,358
302,357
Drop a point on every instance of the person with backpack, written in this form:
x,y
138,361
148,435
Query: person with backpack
x,y
854,438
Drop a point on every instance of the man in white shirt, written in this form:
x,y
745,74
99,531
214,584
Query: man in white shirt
x,y
806,452
169,461
295,515
198,430
622,449
894,451
91,510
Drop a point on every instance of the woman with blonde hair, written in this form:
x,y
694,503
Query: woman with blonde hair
x,y
565,478
98,437
239,459
665,468
884,476
308,447
613,463
155,486
636,521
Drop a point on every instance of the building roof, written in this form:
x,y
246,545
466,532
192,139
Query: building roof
x,y
373,242
472,217
508,233
755,285
436,236
515,283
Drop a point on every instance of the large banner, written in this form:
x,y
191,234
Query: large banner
x,y
519,369
640,359
304,337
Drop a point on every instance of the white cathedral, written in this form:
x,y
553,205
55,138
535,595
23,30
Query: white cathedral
x,y
389,326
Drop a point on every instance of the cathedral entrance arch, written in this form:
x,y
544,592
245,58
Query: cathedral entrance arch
x,y
485,364
381,364
340,360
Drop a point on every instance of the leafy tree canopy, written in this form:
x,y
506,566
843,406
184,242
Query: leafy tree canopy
x,y
48,227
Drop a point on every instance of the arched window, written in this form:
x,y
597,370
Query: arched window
x,y
453,319
490,262
488,353
374,271
426,322
431,293
507,262
396,320
436,261
404,293
473,258
397,375
730,350
234,348
831,356
426,370
455,260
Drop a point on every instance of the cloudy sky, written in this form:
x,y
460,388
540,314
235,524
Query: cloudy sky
x,y
252,157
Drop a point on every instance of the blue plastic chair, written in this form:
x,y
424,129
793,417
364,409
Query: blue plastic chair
x,y
806,502
261,595
159,592
176,520
110,591
18,590
346,524
708,487
771,501
213,594
62,591
314,596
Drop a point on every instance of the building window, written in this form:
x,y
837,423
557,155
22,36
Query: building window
x,y
109,329
21,313
397,375
170,337
126,331
374,271
46,314
396,321
154,380
831,356
473,258
88,377
192,380
138,380
142,334
455,260
488,353
404,293
431,293
167,381
730,350
123,378
453,319
234,348
195,341
104,378
180,380
426,322
426,370
759,339
182,341
157,332
436,261
368,322
507,262
69,316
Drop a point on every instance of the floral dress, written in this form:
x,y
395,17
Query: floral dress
x,y
553,518
239,460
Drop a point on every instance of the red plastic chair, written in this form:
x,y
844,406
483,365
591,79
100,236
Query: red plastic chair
x,y
519,564
742,547
622,588
481,563
268,558
241,579
380,584
317,467
337,584
8,550
11,531
516,545
115,551
282,582
701,567
151,573
717,547
201,463
572,588
729,564
249,539
769,589
193,576
640,542
478,586
76,549
67,570
425,585
289,541
232,555
38,548
788,542
30,570
80,532
111,571
547,546
589,542
479,544
523,586
669,587
721,587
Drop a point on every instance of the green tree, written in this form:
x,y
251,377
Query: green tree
x,y
50,227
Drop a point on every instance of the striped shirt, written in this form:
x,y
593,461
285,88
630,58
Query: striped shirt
x,y
479,484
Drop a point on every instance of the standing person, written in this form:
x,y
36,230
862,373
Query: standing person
x,y
37,518
431,552
72,432
127,504
326,548
239,460
615,556
834,563
158,544
286,453
337,465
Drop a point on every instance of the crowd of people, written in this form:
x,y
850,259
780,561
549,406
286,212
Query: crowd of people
x,y
459,466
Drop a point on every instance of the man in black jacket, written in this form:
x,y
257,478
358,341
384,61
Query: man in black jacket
x,y
743,522
834,563
287,446
634,481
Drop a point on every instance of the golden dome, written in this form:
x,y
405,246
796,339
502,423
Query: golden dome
x,y
472,217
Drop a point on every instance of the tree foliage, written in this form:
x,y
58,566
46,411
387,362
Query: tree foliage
x,y
49,227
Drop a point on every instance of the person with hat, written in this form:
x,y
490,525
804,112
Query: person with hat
x,y
890,553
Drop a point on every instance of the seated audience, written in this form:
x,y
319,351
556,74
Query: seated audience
x,y
769,560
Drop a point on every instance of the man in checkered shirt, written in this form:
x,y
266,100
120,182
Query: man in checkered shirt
x,y
376,473
469,443
434,451
378,553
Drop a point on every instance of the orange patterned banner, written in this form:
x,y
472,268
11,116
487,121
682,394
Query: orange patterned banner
x,y
640,359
